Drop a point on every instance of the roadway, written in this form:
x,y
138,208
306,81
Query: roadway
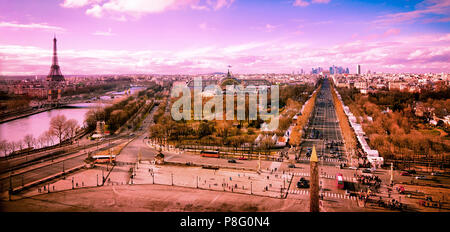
x,y
74,156
324,120
48,168
130,154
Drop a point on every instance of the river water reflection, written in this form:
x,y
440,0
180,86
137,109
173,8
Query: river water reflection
x,y
39,123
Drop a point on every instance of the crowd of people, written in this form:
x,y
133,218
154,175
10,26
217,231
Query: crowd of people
x,y
393,204
372,181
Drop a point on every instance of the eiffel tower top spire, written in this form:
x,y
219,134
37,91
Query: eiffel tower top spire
x,y
55,74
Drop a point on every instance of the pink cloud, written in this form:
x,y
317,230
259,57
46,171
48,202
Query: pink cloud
x,y
78,3
120,9
321,1
420,53
392,31
437,7
221,3
303,3
104,33
42,26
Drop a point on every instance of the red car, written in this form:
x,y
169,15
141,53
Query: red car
x,y
404,174
242,158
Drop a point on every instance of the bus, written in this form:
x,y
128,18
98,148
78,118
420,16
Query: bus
x,y
104,158
212,154
340,181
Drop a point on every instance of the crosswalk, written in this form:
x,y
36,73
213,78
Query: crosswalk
x,y
326,176
325,194
328,160
300,192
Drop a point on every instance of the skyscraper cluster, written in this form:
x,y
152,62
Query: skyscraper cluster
x,y
333,70
316,70
338,70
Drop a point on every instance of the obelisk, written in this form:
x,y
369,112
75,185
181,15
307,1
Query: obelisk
x,y
314,182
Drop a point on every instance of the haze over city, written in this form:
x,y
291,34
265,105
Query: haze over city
x,y
194,36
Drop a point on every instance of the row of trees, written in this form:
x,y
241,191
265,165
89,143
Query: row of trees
x,y
297,132
95,89
10,102
60,129
299,93
347,131
399,100
399,134
114,116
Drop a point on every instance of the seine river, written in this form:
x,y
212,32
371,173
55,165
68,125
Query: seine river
x,y
37,124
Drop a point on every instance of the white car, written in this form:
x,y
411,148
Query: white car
x,y
353,168
420,177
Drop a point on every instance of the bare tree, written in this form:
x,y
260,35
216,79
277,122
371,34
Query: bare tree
x,y
48,135
71,128
4,146
42,140
18,144
28,140
58,126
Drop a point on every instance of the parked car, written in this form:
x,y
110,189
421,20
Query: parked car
x,y
231,161
405,174
353,168
367,170
436,174
421,177
308,152
411,171
303,183
291,166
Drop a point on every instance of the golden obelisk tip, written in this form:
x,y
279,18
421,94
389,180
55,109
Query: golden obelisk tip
x,y
314,155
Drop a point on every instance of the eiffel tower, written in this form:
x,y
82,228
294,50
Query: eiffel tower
x,y
55,74
54,78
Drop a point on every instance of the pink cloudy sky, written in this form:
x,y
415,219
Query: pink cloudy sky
x,y
201,36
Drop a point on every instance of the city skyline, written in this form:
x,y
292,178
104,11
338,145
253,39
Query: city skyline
x,y
193,37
